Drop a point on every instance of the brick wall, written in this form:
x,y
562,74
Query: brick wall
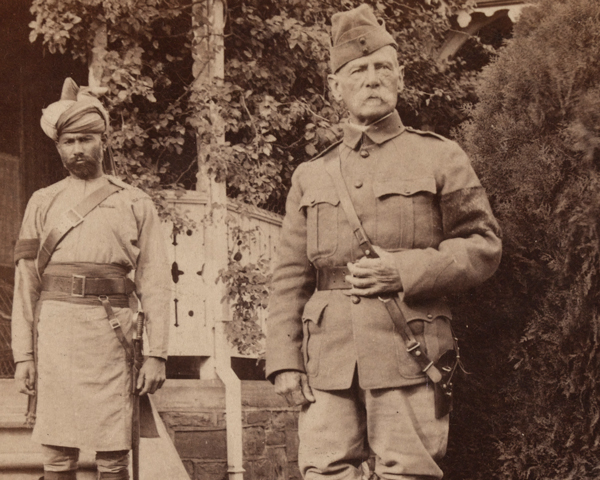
x,y
194,414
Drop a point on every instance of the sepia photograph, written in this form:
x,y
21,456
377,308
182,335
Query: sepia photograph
x,y
300,240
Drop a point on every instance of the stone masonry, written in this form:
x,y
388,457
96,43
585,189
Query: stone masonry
x,y
195,419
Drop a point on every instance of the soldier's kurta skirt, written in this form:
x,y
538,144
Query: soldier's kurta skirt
x,y
83,378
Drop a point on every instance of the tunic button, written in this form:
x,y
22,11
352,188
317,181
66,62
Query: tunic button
x,y
355,299
429,315
364,153
358,184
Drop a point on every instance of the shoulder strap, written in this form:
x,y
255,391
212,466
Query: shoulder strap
x,y
333,167
70,219
327,150
427,133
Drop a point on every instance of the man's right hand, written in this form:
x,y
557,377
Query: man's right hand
x,y
25,377
294,387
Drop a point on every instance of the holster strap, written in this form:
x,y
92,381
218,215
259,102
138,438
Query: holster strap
x,y
80,285
332,278
413,347
116,326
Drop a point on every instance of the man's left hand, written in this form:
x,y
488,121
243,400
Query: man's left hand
x,y
152,375
374,276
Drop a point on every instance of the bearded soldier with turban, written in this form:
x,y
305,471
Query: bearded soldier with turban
x,y
88,246
377,230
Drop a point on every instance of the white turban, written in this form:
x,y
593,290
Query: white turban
x,y
77,111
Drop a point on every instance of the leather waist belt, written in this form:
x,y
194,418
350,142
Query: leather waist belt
x,y
121,301
81,286
83,283
332,278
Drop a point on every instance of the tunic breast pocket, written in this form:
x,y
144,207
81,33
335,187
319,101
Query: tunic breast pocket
x,y
407,213
321,222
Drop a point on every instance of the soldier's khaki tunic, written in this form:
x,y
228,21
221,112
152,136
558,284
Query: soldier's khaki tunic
x,y
83,380
417,197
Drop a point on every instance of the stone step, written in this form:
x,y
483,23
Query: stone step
x,y
28,466
35,475
21,458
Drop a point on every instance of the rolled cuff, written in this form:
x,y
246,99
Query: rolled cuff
x,y
158,353
22,357
276,366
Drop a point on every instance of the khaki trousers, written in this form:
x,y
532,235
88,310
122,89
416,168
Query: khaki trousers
x,y
338,430
65,459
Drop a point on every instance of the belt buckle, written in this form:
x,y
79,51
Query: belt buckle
x,y
414,347
77,281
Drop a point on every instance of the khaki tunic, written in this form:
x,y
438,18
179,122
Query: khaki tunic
x,y
83,379
418,198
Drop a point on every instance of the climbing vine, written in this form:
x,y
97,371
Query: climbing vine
x,y
273,104
247,289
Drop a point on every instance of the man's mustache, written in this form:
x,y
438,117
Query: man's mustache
x,y
81,158
82,166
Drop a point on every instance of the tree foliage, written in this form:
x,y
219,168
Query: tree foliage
x,y
274,102
535,140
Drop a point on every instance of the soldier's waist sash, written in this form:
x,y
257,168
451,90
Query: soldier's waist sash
x,y
332,278
83,283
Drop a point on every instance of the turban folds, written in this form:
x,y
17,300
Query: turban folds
x,y
77,111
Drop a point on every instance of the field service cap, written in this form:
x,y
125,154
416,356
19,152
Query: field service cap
x,y
77,111
356,33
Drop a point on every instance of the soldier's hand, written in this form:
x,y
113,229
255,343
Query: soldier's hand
x,y
25,377
374,276
293,386
152,375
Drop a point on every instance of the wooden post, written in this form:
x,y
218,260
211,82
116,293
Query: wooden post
x,y
209,70
96,58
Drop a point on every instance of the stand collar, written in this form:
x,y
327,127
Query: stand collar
x,y
378,132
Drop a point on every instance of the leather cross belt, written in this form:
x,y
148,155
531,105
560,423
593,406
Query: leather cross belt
x,y
332,278
81,286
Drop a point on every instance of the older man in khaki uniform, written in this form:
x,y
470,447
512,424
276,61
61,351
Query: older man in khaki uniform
x,y
79,241
332,343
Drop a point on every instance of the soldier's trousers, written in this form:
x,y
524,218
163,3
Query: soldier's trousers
x,y
338,430
64,459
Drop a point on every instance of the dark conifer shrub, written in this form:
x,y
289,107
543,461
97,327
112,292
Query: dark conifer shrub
x,y
531,335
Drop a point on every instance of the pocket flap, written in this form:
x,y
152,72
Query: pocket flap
x,y
404,187
322,195
427,311
313,310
